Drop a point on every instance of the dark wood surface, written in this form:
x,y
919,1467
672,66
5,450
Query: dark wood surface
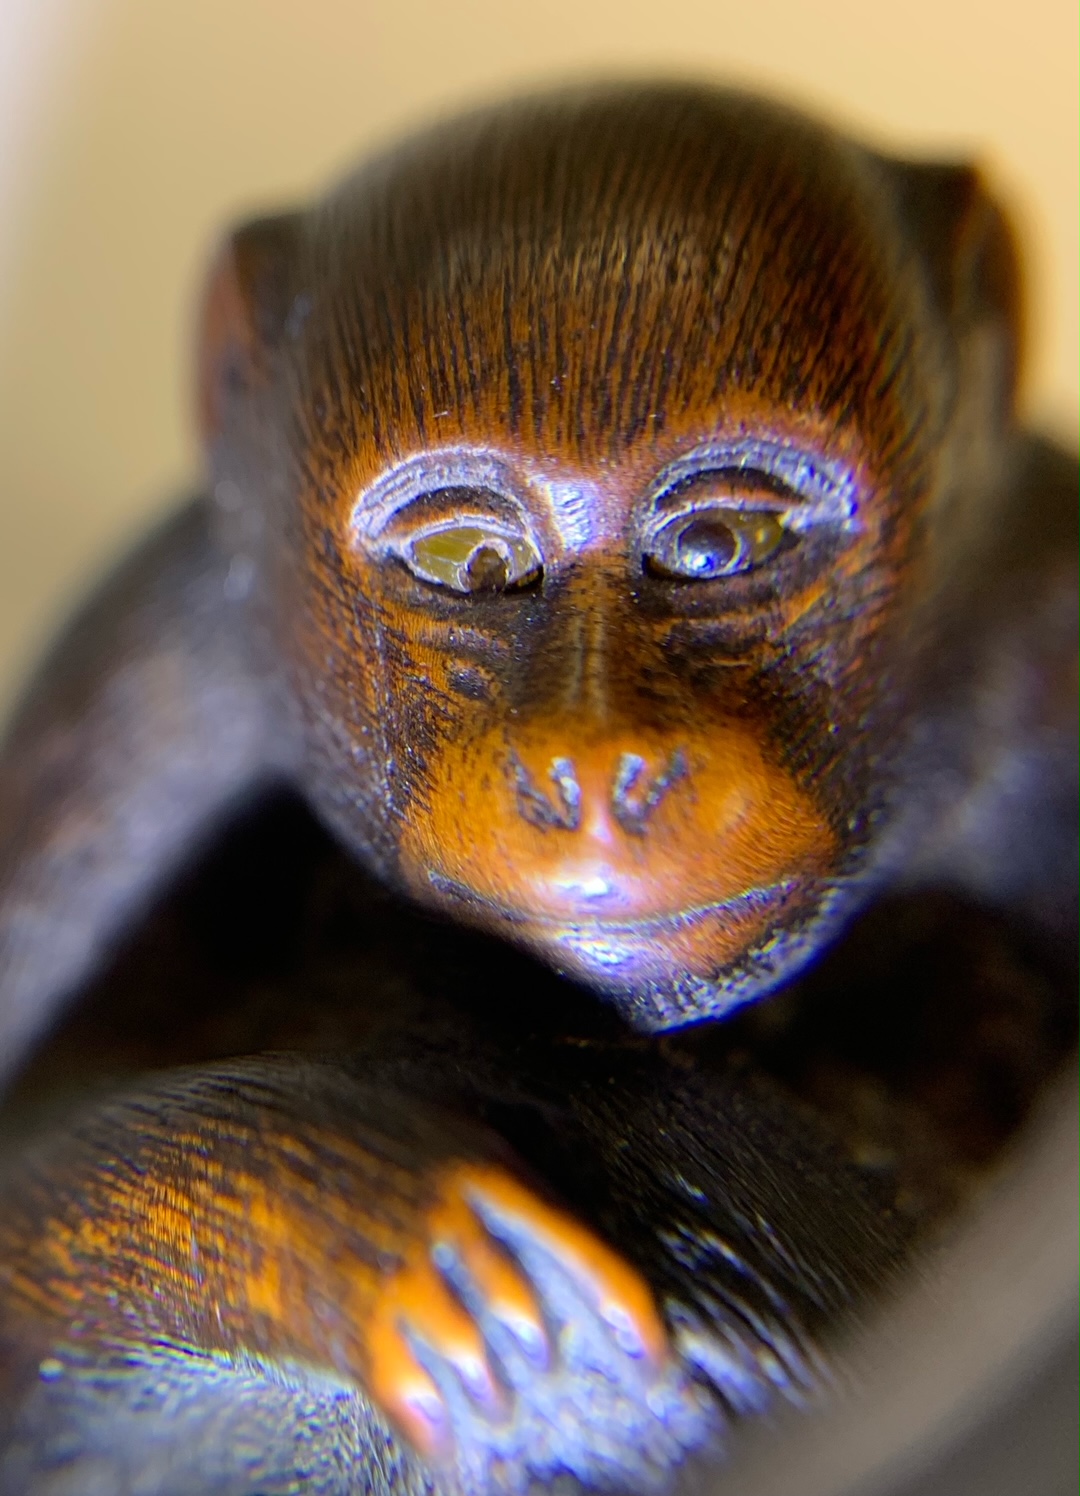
x,y
618,532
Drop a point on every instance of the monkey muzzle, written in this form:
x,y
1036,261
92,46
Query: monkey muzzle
x,y
617,852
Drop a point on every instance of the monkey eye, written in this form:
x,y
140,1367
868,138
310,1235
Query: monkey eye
x,y
712,542
470,557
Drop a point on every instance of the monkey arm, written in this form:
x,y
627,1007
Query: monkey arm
x,y
141,728
278,1240
278,1265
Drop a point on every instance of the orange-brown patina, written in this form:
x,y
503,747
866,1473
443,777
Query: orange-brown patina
x,y
240,1224
561,315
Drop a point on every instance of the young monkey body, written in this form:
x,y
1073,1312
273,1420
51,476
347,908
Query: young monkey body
x,y
618,530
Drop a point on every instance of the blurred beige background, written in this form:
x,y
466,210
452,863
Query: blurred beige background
x,y
131,130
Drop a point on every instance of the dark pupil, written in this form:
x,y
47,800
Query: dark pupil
x,y
486,570
706,547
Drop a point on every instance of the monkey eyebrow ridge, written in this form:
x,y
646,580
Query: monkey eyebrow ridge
x,y
425,473
828,485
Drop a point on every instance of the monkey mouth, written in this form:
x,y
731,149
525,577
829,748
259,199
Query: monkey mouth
x,y
737,905
622,956
752,900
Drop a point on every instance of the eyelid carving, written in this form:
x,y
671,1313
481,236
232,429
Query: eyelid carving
x,y
453,520
823,490
419,477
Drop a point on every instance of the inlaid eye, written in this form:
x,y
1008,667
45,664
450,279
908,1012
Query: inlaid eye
x,y
469,557
713,542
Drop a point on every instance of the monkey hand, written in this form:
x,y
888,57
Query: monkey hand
x,y
512,1344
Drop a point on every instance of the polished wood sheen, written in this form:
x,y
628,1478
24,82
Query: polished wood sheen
x,y
275,1212
568,323
617,529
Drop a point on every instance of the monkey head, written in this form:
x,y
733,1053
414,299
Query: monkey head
x,y
590,464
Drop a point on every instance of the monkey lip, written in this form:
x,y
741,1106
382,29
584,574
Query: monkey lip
x,y
586,924
625,955
750,900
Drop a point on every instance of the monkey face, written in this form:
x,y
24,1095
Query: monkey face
x,y
576,661
590,459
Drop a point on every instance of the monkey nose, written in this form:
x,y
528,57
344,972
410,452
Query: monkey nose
x,y
627,789
567,823
596,806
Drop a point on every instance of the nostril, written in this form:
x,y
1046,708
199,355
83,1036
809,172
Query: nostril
x,y
540,808
627,773
564,777
633,797
634,794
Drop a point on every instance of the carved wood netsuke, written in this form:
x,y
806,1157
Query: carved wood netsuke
x,y
618,531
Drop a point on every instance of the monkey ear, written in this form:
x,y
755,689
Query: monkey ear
x,y
966,245
246,306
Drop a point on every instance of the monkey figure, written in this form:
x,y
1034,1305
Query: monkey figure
x,y
618,529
